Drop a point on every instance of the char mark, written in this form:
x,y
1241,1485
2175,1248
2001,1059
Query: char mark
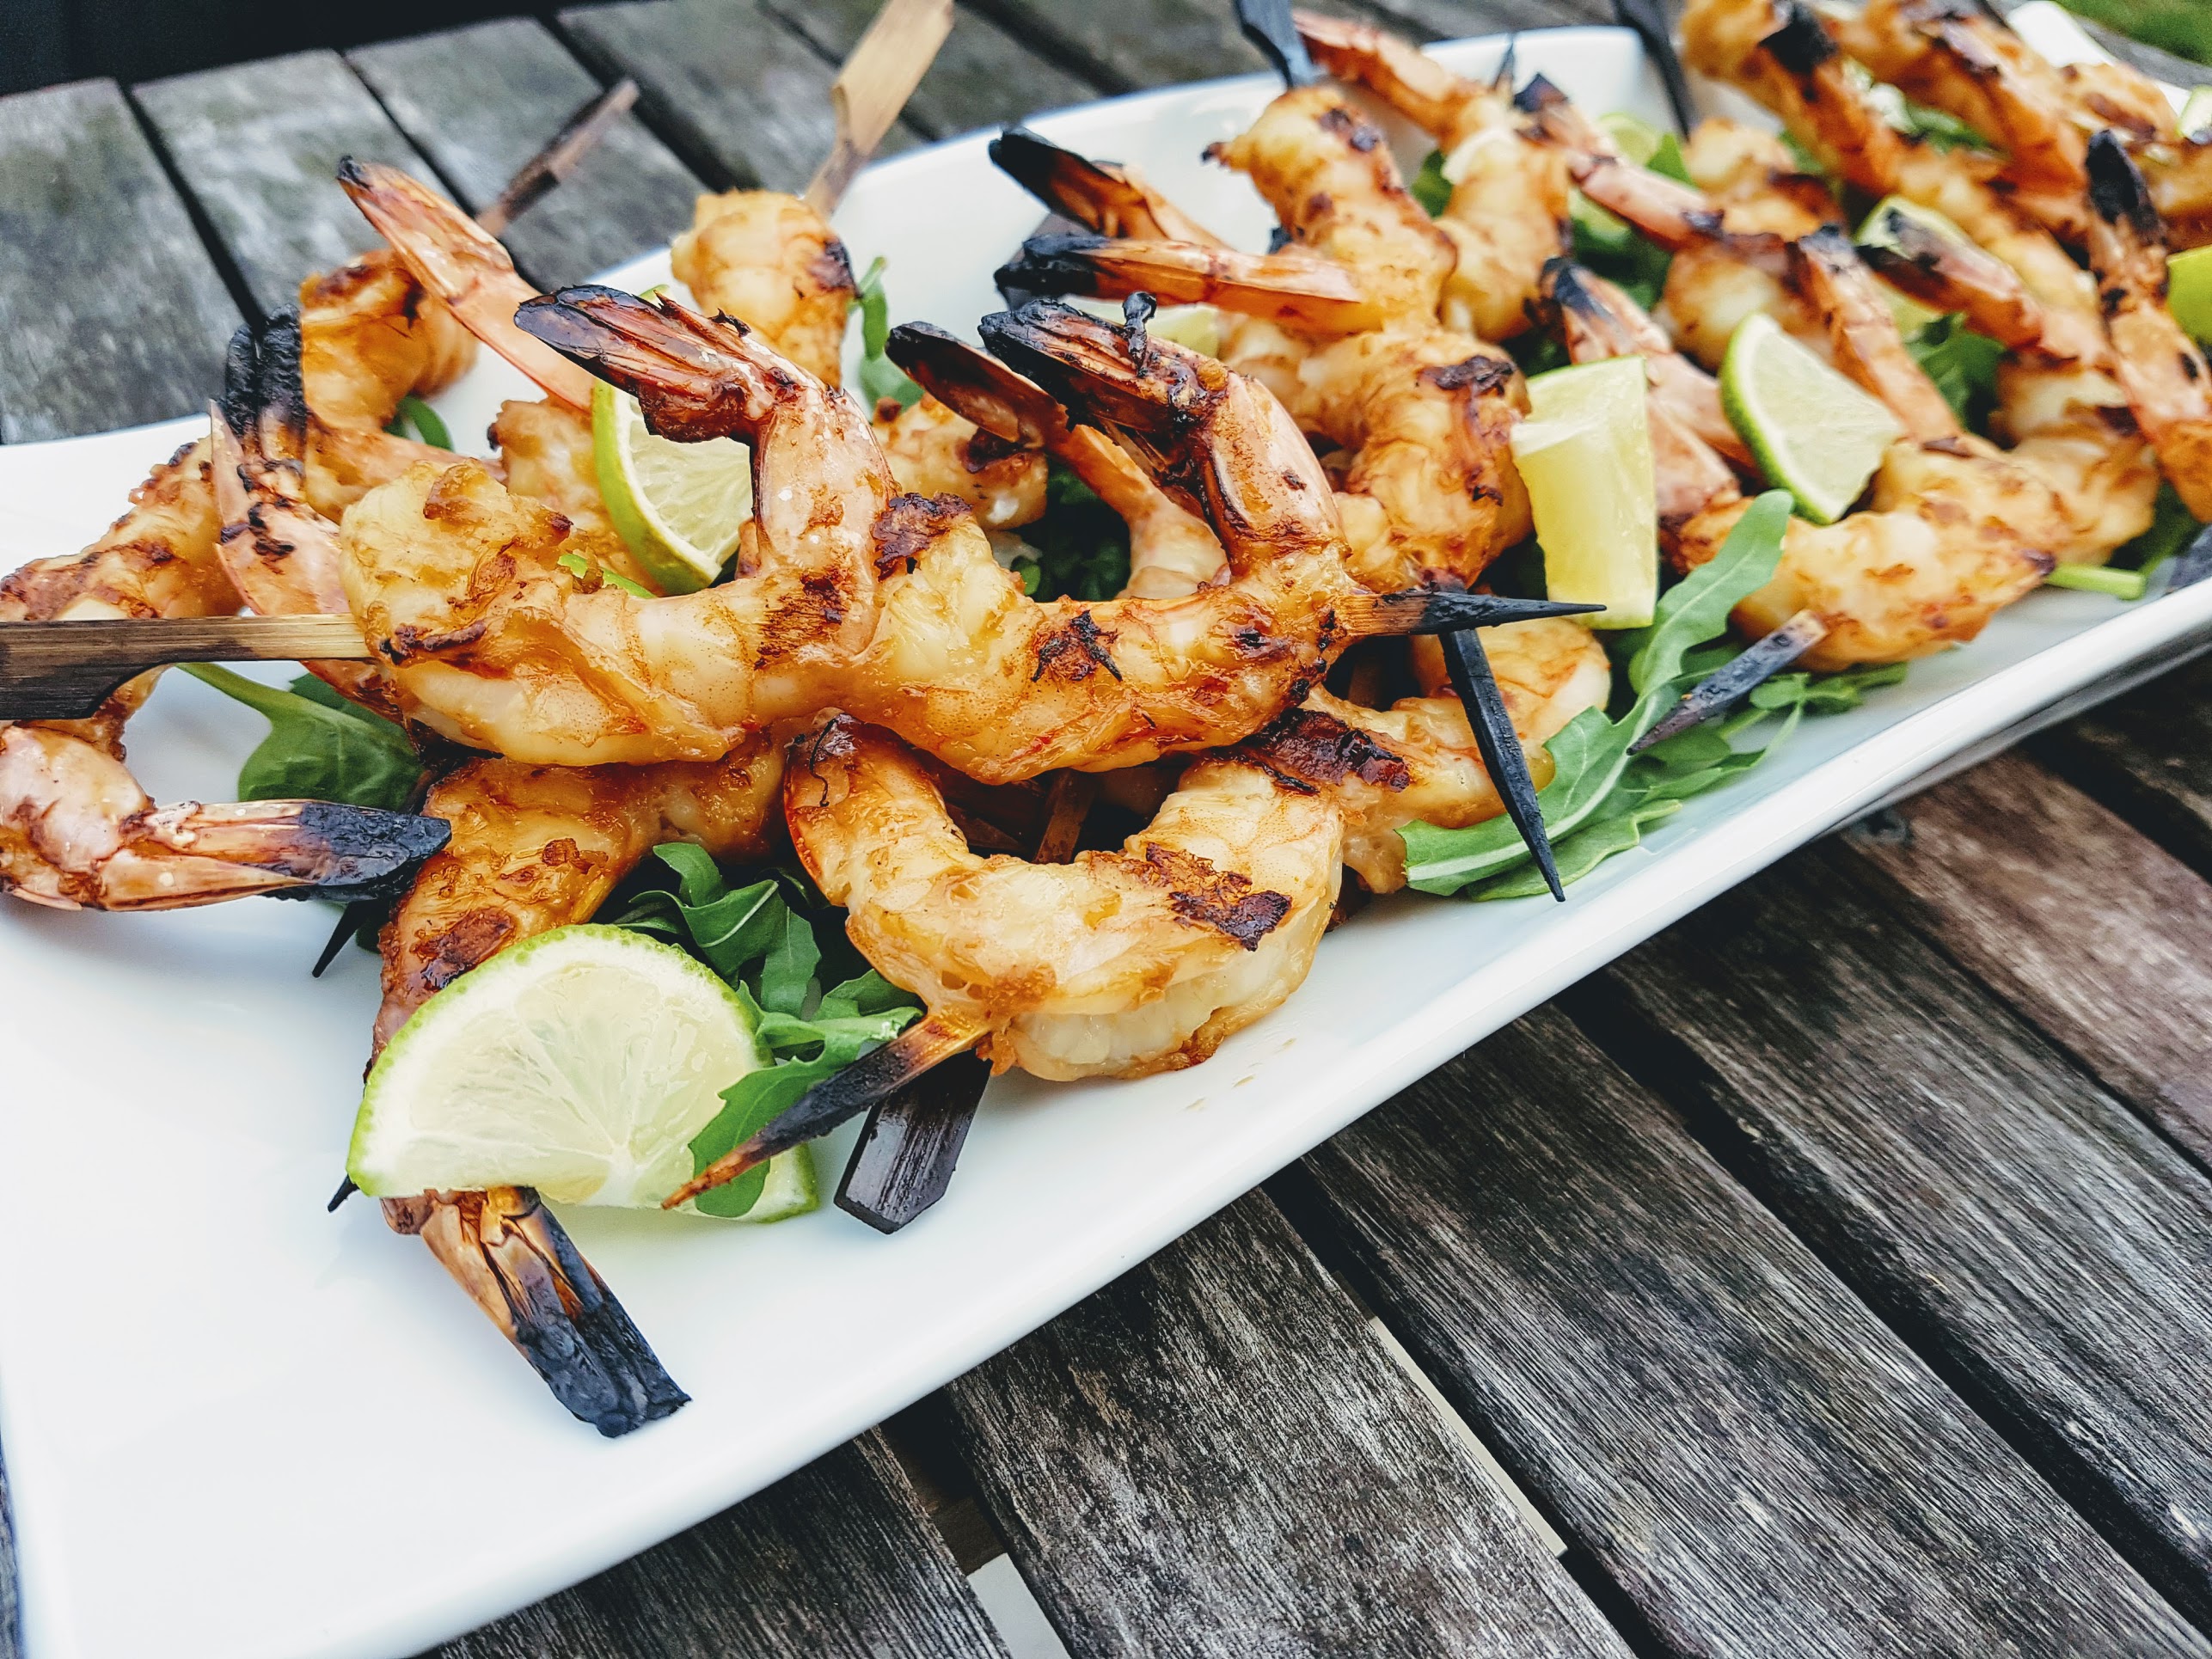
x,y
1207,897
2117,189
1801,44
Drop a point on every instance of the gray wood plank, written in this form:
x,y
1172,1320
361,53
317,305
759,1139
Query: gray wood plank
x,y
983,75
2087,929
2148,755
2035,1239
1452,20
482,102
258,146
111,311
836,1562
740,96
1737,1442
1132,43
1215,1456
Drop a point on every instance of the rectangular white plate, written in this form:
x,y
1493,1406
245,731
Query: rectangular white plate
x,y
238,1428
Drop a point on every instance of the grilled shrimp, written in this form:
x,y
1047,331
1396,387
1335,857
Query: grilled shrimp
x,y
2066,417
773,262
935,449
369,336
1508,210
967,667
76,831
1114,965
1172,550
1418,760
491,640
1781,53
2154,358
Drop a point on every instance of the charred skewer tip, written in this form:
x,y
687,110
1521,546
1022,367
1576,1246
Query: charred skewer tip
x,y
905,1157
1267,24
1500,746
1736,679
842,1095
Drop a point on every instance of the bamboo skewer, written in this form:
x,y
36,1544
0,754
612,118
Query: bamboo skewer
x,y
878,77
67,670
578,136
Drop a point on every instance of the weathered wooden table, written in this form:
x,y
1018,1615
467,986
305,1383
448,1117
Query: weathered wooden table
x,y
1833,1275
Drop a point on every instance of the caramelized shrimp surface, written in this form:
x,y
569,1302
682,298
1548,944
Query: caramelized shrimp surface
x,y
773,262
1114,965
1508,210
75,829
492,639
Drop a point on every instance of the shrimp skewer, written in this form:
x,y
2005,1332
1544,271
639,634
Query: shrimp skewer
x,y
2160,366
1508,210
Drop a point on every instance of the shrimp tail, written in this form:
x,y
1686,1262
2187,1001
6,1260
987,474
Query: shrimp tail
x,y
2117,191
1121,375
692,375
520,1265
1923,264
982,389
1289,285
1802,43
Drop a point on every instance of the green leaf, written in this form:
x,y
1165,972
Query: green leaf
x,y
1081,545
1581,853
2172,528
1962,364
1429,186
1695,610
2182,26
320,747
880,378
424,422
766,937
1667,160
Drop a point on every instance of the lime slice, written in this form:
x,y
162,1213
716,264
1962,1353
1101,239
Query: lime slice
x,y
1875,231
2188,290
680,505
1636,139
1585,454
2196,111
581,1063
1814,432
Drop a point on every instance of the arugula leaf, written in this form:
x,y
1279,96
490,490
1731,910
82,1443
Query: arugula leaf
x,y
320,746
1079,550
1962,364
879,376
764,937
1579,855
2172,528
1589,754
1429,186
424,420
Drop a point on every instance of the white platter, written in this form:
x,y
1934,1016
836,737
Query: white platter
x,y
238,1428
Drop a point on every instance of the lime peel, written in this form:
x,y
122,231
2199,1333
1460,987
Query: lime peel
x,y
680,507
1814,432
581,1063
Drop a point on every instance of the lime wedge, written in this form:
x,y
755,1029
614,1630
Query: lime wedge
x,y
581,1063
1586,455
1814,432
1636,139
2188,290
2196,111
680,505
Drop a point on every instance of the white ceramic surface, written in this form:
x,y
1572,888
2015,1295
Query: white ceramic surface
x,y
238,1428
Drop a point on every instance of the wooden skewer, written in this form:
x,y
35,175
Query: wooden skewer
x,y
578,136
65,670
878,77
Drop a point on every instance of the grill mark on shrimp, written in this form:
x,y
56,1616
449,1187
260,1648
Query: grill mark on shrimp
x,y
1082,645
1203,897
909,523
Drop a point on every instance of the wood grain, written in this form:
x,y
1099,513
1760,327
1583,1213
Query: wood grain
x,y
1131,43
111,312
1451,19
1214,1456
2148,755
258,146
982,76
2035,1239
479,102
2086,927
736,94
836,1562
1687,1394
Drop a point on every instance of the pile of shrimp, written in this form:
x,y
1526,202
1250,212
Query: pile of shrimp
x,y
1335,477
